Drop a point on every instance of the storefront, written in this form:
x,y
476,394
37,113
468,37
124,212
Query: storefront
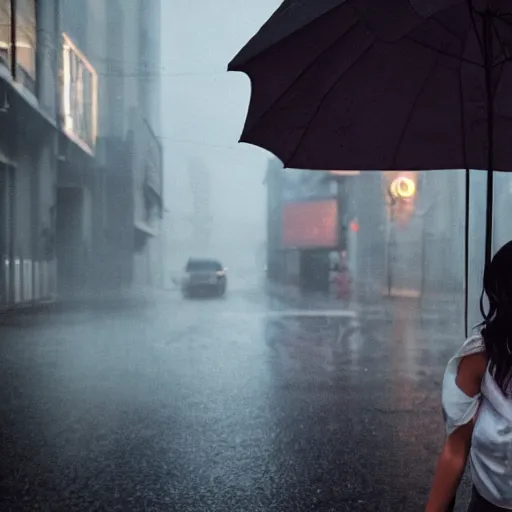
x,y
6,231
310,226
26,167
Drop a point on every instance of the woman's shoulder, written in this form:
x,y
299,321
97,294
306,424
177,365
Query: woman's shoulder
x,y
470,373
462,383
473,345
468,363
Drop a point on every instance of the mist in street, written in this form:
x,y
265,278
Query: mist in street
x,y
204,113
187,326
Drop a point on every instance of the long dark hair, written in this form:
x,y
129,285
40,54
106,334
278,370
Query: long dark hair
x,y
496,327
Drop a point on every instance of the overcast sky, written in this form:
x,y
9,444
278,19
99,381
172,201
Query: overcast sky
x,y
204,106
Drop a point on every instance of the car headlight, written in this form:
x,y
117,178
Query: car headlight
x,y
220,273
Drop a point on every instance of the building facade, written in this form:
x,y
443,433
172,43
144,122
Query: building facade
x,y
402,231
73,168
306,225
29,127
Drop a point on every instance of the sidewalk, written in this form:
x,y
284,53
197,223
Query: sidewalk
x,y
84,302
444,310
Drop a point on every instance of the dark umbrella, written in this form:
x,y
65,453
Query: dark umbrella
x,y
400,84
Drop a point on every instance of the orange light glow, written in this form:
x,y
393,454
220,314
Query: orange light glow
x,y
310,224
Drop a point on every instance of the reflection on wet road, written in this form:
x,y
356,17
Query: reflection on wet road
x,y
243,404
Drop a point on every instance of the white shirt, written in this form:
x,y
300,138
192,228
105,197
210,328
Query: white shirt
x,y
491,446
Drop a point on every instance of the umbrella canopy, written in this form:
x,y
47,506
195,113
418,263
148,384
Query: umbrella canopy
x,y
401,84
366,84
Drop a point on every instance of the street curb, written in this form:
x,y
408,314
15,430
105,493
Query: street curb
x,y
131,298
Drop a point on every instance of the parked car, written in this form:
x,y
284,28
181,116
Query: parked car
x,y
204,276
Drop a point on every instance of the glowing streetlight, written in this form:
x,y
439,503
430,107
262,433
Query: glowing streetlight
x,y
403,188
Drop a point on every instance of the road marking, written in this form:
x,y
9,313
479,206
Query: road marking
x,y
320,313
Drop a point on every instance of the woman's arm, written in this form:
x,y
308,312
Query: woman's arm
x,y
453,458
450,468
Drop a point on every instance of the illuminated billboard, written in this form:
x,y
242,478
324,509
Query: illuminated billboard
x,y
310,225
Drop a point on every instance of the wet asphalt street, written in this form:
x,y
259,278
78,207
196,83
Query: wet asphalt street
x,y
248,403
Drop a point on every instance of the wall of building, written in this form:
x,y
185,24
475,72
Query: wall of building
x,y
77,168
25,173
115,68
68,202
275,257
29,125
96,50
142,58
48,43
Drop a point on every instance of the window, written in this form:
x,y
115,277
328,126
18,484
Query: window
x,y
26,42
203,266
79,95
5,33
25,19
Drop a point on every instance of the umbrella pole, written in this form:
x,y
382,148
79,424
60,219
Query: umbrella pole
x,y
466,254
488,55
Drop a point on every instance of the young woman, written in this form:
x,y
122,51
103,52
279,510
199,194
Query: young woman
x,y
477,403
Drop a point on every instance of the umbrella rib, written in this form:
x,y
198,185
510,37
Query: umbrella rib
x,y
446,29
501,62
302,73
322,101
441,52
500,40
473,23
498,82
413,106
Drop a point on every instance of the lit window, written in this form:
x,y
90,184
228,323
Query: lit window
x,y
26,41
5,33
79,95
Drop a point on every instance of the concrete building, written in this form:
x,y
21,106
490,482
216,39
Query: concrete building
x,y
80,159
121,42
306,225
408,247
135,158
29,107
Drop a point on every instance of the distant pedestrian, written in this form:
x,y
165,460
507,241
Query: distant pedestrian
x,y
477,403
342,281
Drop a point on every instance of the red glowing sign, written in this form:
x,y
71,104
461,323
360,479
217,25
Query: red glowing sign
x,y
354,226
311,224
